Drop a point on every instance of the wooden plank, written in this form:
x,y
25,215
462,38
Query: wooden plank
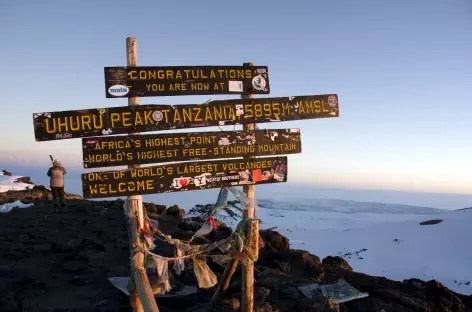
x,y
247,286
223,284
184,177
247,267
144,301
158,148
144,118
146,81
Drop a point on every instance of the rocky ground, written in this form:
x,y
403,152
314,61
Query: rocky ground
x,y
37,192
61,261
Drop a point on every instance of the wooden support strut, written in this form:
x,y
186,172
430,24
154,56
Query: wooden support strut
x,y
252,234
224,283
252,228
141,297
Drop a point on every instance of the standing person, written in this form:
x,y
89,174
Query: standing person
x,y
57,172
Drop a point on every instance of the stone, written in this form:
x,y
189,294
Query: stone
x,y
268,282
23,238
261,293
321,304
175,211
336,263
7,173
190,225
274,241
74,266
42,247
229,305
220,234
265,307
431,222
295,262
153,208
46,268
101,304
38,192
26,180
290,292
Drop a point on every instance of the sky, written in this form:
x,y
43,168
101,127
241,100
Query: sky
x,y
401,70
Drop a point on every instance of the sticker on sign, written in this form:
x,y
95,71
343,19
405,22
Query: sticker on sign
x,y
118,90
235,86
259,83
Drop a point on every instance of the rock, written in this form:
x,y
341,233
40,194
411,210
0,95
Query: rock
x,y
201,307
413,284
394,295
6,173
175,211
261,294
70,256
23,238
74,266
153,215
182,235
442,298
295,262
321,304
219,234
265,307
66,246
431,222
26,180
42,247
230,305
180,301
269,282
101,304
114,203
153,208
276,254
267,272
79,281
190,225
38,192
290,292
8,305
268,278
336,263
408,295
373,304
274,241
201,209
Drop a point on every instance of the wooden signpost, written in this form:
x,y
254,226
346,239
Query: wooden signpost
x,y
145,118
141,296
184,176
119,150
249,213
111,137
185,80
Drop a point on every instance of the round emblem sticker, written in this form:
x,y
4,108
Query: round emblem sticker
x,y
259,83
332,101
157,116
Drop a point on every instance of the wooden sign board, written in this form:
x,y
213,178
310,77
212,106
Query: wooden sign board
x,y
145,81
184,177
145,118
157,148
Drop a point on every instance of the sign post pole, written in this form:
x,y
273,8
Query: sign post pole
x,y
252,227
247,169
142,298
